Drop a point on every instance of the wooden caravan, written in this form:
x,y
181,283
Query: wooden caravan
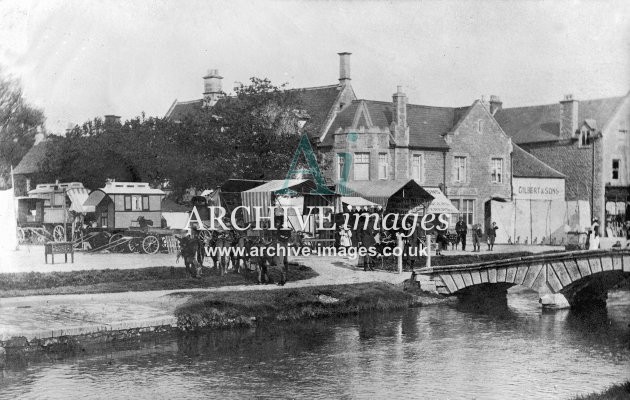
x,y
120,205
49,211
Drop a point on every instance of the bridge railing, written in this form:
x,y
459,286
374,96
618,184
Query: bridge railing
x,y
533,259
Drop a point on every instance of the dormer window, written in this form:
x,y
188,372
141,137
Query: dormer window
x,y
585,137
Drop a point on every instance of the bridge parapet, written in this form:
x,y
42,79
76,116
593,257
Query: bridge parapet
x,y
551,273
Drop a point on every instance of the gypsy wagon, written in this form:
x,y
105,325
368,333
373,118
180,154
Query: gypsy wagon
x,y
131,212
50,211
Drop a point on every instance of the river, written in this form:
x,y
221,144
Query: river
x,y
504,351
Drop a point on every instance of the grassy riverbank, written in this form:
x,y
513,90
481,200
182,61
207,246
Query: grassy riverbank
x,y
124,280
247,308
615,392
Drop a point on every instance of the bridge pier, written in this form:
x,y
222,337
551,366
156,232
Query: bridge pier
x,y
554,301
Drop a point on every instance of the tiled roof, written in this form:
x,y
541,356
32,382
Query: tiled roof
x,y
179,110
427,124
317,101
525,165
542,123
32,159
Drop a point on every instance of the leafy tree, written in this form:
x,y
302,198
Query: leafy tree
x,y
19,123
250,135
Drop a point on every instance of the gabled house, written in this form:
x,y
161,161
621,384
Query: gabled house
x,y
589,142
319,104
462,150
26,171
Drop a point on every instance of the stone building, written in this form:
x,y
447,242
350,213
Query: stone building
x,y
461,150
589,142
319,104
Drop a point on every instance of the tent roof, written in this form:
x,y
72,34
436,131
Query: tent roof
x,y
78,196
94,198
279,184
440,204
380,191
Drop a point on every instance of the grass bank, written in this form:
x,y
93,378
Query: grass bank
x,y
615,392
248,308
124,280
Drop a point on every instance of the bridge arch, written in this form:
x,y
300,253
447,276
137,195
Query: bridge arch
x,y
573,274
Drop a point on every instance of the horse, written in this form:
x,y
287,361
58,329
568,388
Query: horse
x,y
241,245
221,260
188,249
262,258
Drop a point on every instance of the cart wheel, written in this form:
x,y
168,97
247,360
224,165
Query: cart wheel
x,y
59,234
134,245
150,245
21,236
119,248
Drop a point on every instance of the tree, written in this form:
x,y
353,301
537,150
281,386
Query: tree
x,y
19,123
251,135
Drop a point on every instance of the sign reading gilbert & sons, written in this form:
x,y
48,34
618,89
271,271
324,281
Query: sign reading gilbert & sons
x,y
538,189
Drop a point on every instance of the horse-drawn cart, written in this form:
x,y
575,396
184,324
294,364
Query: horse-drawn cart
x,y
129,216
50,211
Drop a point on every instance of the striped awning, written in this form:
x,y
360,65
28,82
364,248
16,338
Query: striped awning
x,y
78,196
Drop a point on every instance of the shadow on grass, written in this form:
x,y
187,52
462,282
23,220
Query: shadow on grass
x,y
124,280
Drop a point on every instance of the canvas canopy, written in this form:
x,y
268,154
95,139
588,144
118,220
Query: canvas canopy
x,y
93,200
359,203
440,204
383,192
78,196
263,195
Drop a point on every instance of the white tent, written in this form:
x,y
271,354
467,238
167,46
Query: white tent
x,y
8,233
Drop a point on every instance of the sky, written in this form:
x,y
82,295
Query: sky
x,y
83,59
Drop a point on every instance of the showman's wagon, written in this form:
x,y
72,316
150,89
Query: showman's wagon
x,y
50,212
130,213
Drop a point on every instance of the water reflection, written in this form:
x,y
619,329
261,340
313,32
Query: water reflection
x,y
495,351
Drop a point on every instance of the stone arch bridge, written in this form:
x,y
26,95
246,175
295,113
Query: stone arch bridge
x,y
561,279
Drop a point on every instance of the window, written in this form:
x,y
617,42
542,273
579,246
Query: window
x,y
104,220
497,170
479,126
58,199
460,169
615,169
145,203
383,166
341,162
362,166
466,210
584,137
136,203
416,167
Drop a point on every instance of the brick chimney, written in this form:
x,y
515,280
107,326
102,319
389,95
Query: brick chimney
x,y
344,67
399,119
112,119
495,104
568,117
212,88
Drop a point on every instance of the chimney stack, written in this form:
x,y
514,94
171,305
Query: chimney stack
x,y
344,67
495,104
401,132
212,87
568,117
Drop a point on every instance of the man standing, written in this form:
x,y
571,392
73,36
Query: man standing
x,y
492,235
461,228
477,233
284,237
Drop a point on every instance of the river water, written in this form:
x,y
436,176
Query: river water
x,y
503,351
